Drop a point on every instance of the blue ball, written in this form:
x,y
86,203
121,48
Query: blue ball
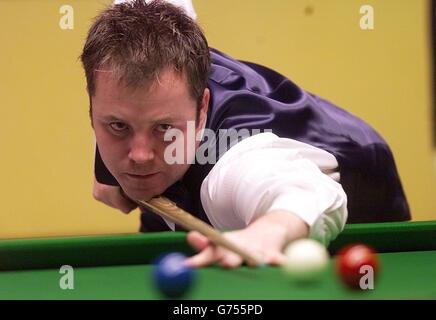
x,y
171,276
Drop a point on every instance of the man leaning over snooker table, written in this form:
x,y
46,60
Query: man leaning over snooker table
x,y
149,70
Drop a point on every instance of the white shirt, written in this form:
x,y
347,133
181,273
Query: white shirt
x,y
265,172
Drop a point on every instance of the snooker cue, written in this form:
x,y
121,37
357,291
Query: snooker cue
x,y
168,209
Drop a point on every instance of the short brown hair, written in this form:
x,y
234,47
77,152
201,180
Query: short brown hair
x,y
137,40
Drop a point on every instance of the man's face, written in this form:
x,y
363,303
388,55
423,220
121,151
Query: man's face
x,y
130,125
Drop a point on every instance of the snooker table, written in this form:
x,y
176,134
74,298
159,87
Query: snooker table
x,y
119,267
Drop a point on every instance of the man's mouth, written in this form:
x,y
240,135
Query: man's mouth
x,y
139,177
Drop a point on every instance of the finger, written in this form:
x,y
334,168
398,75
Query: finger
x,y
275,258
230,259
123,202
125,206
197,240
202,259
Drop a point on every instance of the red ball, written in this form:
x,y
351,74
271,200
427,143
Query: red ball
x,y
350,261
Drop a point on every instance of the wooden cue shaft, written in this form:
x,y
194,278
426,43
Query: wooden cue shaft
x,y
168,209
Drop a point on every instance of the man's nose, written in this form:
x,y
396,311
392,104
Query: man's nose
x,y
141,149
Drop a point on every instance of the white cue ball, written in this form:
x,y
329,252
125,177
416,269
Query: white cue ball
x,y
306,260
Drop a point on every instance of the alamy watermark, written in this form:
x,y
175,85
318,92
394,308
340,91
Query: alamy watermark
x,y
213,146
66,282
66,21
366,282
366,21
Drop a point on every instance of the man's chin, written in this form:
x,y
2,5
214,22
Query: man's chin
x,y
140,195
143,194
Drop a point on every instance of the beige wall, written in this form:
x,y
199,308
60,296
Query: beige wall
x,y
46,142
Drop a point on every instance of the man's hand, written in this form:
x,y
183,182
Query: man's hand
x,y
265,238
113,197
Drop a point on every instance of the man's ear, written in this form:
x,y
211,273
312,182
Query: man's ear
x,y
202,112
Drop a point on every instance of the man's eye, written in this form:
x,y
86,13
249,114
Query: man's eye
x,y
118,126
163,128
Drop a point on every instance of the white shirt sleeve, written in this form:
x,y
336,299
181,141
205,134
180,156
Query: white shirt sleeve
x,y
265,172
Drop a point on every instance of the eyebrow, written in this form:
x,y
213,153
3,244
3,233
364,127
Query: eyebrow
x,y
157,120
112,118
